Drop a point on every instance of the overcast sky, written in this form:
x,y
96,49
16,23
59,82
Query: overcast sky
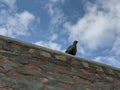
x,y
56,24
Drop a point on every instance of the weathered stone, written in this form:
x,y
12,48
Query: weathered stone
x,y
14,72
56,73
4,80
6,67
16,46
26,66
74,62
98,76
99,69
39,60
1,69
45,54
119,75
8,48
110,71
85,72
26,55
43,79
60,57
5,60
85,64
2,42
45,88
32,67
87,89
118,82
31,50
80,79
110,79
66,68
106,85
66,85
4,88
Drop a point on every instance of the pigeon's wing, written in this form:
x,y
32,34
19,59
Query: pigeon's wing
x,y
70,49
74,51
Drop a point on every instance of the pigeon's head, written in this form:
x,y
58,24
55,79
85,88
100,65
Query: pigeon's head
x,y
76,41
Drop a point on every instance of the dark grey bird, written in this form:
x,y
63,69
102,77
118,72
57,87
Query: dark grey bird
x,y
72,49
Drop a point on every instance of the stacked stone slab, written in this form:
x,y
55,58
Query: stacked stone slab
x,y
25,66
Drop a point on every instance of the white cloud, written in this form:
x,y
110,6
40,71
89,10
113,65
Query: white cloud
x,y
116,46
56,14
57,18
55,1
18,24
25,18
9,3
12,23
53,37
98,28
49,44
110,60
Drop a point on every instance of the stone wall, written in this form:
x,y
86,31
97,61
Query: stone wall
x,y
25,66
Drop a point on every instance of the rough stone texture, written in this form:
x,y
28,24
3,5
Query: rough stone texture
x,y
25,66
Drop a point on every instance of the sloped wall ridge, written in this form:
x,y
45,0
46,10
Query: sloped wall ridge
x,y
25,66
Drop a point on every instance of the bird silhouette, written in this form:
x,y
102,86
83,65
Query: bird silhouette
x,y
72,49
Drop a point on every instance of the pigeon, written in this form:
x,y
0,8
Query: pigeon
x,y
72,49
